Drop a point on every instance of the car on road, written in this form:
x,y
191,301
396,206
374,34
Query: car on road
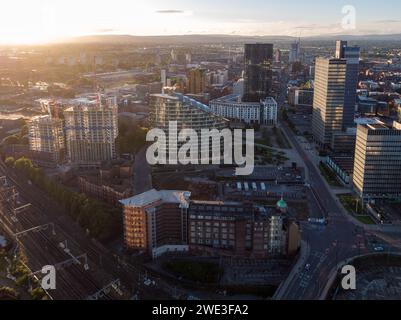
x,y
379,249
307,267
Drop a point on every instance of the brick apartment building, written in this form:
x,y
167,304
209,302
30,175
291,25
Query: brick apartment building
x,y
168,221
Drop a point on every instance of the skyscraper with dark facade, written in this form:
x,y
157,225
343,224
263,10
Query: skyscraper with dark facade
x,y
351,55
258,71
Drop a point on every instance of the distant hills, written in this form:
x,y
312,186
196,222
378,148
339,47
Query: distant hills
x,y
368,37
199,39
176,39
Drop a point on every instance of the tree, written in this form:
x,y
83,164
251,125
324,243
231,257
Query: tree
x,y
89,213
25,165
10,161
38,293
8,293
131,139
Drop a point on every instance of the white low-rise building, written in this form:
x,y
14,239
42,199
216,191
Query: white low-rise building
x,y
233,108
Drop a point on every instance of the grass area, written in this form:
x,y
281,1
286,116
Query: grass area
x,y
355,208
204,272
270,156
350,203
263,142
329,175
365,219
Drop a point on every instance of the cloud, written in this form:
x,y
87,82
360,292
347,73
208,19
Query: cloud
x,y
105,30
169,11
387,21
175,12
307,27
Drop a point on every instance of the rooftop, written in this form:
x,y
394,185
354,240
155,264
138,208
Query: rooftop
x,y
152,196
187,101
236,98
366,99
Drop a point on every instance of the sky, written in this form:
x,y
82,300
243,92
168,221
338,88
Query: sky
x,y
41,21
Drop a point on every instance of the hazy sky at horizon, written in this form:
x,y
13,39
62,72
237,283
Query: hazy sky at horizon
x,y
31,21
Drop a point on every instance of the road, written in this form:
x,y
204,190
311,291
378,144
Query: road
x,y
329,245
341,239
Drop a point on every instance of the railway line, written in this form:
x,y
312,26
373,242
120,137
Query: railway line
x,y
106,265
40,249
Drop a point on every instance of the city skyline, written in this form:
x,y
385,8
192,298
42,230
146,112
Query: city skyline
x,y
203,163
47,21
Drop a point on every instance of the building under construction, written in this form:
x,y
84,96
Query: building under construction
x,y
91,129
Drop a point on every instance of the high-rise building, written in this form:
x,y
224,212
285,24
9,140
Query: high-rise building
x,y
163,77
188,58
351,55
277,56
187,112
377,167
174,56
340,48
197,81
258,71
295,52
328,101
156,221
46,138
91,129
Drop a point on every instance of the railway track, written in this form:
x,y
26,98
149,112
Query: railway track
x,y
46,210
73,282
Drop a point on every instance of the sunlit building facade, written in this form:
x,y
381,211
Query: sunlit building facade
x,y
91,128
156,222
46,137
187,113
197,81
328,101
377,167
